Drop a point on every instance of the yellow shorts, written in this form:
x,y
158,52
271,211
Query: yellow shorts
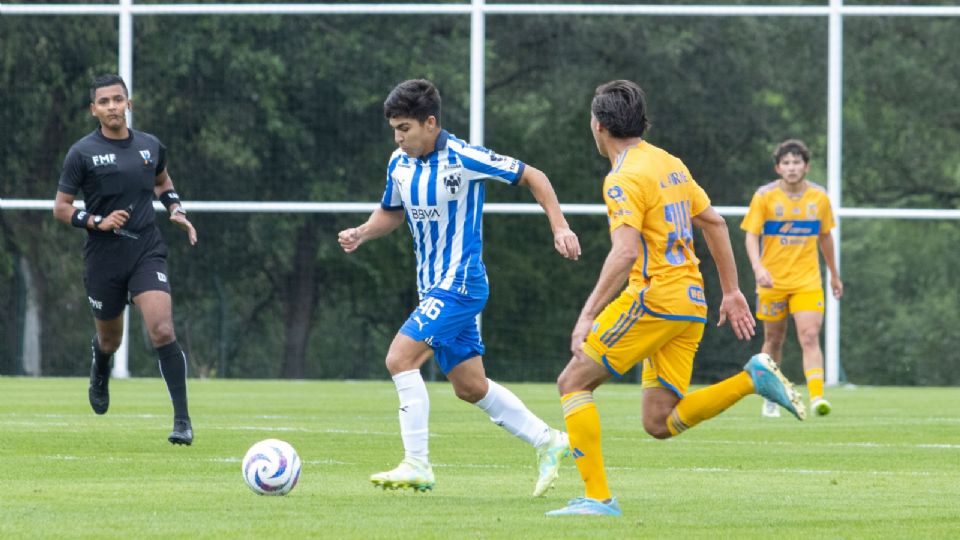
x,y
623,336
774,305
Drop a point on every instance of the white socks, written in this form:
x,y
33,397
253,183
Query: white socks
x,y
414,413
504,408
507,411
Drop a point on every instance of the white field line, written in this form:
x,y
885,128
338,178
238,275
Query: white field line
x,y
76,416
490,466
80,426
725,470
433,435
62,457
859,444
309,430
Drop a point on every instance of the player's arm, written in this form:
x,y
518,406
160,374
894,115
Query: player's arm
x,y
760,272
163,189
380,223
826,247
64,211
733,306
564,239
616,269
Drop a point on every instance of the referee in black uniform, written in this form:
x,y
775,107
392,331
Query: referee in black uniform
x,y
120,170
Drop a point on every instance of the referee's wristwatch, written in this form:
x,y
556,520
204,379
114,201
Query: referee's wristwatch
x,y
96,222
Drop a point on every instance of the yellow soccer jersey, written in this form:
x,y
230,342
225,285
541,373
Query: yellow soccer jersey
x,y
789,229
653,192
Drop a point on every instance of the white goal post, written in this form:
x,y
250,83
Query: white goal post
x,y
832,322
834,11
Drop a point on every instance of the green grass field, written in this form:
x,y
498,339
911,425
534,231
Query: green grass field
x,y
886,464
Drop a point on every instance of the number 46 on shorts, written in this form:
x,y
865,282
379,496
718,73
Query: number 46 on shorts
x,y
431,307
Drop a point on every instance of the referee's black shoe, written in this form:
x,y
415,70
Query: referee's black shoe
x,y
99,391
182,432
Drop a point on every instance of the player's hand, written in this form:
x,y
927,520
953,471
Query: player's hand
x,y
734,308
567,243
579,335
764,279
836,285
350,239
181,220
115,220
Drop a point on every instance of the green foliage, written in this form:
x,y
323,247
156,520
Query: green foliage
x,y
900,133
68,472
288,108
901,323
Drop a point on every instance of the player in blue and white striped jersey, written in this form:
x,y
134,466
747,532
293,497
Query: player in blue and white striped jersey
x,y
435,183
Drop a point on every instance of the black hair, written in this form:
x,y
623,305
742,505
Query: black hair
x,y
621,107
416,98
106,80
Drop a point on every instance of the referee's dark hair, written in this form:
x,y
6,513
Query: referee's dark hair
x,y
416,98
106,80
621,107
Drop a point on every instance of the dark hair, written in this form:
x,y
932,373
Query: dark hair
x,y
621,107
791,146
416,98
106,80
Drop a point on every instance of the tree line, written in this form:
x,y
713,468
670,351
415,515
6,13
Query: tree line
x,y
285,108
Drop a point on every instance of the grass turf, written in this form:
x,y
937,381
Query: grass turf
x,y
885,464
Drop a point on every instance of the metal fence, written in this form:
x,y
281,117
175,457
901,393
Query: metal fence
x,y
834,13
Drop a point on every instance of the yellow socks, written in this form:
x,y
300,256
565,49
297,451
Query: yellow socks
x,y
708,402
583,427
814,382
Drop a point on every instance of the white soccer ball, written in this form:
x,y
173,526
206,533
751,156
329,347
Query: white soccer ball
x,y
271,467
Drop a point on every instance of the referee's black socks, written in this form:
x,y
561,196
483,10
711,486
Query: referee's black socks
x,y
173,368
100,358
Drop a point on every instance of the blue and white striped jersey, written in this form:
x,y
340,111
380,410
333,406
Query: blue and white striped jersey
x,y
441,194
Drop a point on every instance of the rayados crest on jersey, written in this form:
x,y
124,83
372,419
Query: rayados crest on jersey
x,y
452,178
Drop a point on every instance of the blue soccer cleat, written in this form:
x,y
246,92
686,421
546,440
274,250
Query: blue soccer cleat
x,y
585,506
771,384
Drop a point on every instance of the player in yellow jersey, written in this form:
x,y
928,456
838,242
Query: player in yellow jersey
x,y
788,218
652,203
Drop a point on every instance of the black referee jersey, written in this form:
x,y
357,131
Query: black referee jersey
x,y
115,175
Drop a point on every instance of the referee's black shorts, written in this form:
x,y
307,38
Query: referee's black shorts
x,y
117,268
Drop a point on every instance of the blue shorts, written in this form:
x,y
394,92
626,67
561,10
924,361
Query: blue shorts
x,y
447,321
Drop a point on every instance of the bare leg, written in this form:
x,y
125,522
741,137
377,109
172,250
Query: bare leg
x,y
157,310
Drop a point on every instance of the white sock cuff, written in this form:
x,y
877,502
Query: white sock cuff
x,y
407,379
491,397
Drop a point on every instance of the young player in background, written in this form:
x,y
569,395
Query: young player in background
x,y
788,218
